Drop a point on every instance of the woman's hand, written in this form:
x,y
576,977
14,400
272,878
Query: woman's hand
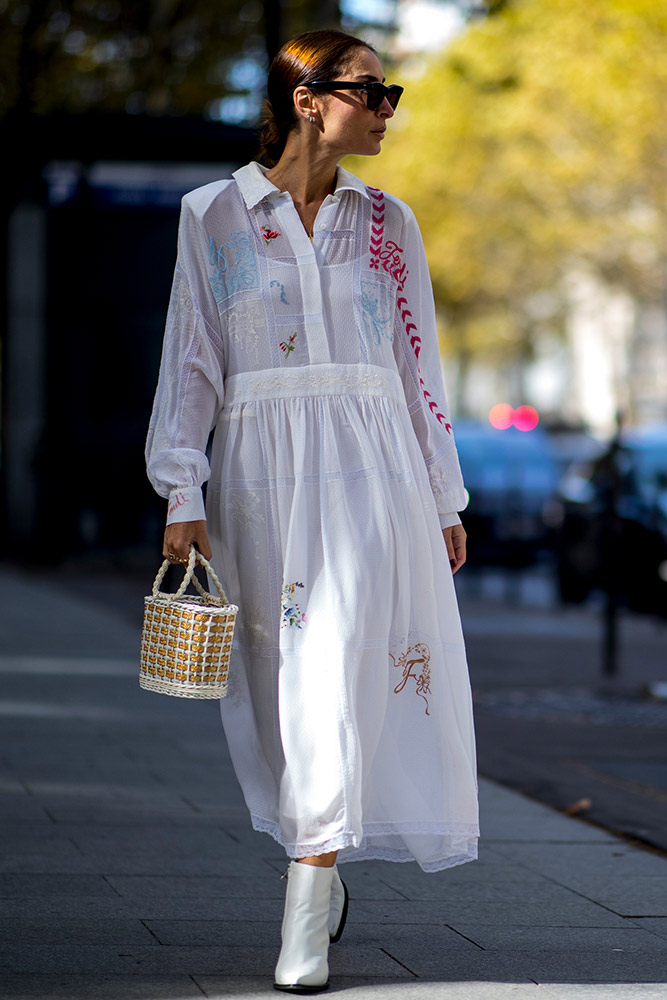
x,y
180,536
455,540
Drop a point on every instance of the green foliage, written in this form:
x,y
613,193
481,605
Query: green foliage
x,y
160,56
533,147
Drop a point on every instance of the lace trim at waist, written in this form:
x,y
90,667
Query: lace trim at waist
x,y
313,380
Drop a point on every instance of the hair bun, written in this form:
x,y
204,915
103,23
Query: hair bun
x,y
272,136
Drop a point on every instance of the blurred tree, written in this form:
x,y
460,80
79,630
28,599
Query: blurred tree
x,y
160,57
532,148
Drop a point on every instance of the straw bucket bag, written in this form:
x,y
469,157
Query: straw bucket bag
x,y
186,641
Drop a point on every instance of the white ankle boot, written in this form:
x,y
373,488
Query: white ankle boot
x,y
338,909
302,966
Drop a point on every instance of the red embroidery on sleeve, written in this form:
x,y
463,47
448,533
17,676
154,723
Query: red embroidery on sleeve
x,y
177,502
389,255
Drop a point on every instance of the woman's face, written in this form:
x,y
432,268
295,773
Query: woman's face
x,y
347,124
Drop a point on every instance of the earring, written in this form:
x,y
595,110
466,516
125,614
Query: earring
x,y
311,118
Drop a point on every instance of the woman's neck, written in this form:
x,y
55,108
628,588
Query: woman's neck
x,y
308,175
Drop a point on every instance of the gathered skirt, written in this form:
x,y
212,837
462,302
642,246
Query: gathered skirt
x,y
349,717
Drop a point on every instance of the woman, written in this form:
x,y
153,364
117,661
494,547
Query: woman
x,y
301,327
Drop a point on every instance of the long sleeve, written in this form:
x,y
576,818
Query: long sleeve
x,y
190,388
421,372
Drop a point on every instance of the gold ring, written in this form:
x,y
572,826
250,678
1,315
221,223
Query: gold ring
x,y
172,556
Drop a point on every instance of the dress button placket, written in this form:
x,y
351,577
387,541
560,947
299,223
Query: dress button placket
x,y
309,280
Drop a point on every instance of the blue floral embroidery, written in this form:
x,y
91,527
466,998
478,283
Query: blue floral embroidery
x,y
377,301
283,297
234,265
291,614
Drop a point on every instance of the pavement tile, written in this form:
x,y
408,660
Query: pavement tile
x,y
506,816
167,865
12,835
629,895
167,747
234,887
457,965
215,809
9,783
364,960
366,988
145,836
34,710
138,864
111,781
99,987
236,826
567,862
395,938
479,893
569,911
83,930
148,850
654,925
598,940
134,960
583,966
207,908
52,907
213,775
112,812
515,828
250,959
216,933
607,991
440,885
25,886
113,789
86,666
248,987
180,887
20,808
40,855
29,756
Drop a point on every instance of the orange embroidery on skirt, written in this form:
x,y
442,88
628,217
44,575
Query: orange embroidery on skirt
x,y
413,657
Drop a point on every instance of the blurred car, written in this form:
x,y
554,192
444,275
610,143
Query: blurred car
x,y
511,477
572,446
613,523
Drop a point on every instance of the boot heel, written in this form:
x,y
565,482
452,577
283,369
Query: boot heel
x,y
340,899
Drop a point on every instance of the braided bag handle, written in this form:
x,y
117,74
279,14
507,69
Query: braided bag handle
x,y
194,558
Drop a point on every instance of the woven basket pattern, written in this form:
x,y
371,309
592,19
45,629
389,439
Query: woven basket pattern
x,y
186,642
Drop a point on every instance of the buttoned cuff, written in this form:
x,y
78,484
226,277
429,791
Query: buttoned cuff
x,y
186,505
447,520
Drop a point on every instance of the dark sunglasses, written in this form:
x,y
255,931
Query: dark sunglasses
x,y
375,91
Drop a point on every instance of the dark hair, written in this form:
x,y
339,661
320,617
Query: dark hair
x,y
310,56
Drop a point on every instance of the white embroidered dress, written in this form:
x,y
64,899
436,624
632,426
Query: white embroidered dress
x,y
333,466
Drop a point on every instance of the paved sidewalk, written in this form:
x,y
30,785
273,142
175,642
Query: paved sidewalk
x,y
551,726
129,869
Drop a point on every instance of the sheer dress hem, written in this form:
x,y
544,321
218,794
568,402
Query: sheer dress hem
x,y
357,848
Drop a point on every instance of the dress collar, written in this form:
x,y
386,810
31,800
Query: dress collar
x,y
345,181
255,186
